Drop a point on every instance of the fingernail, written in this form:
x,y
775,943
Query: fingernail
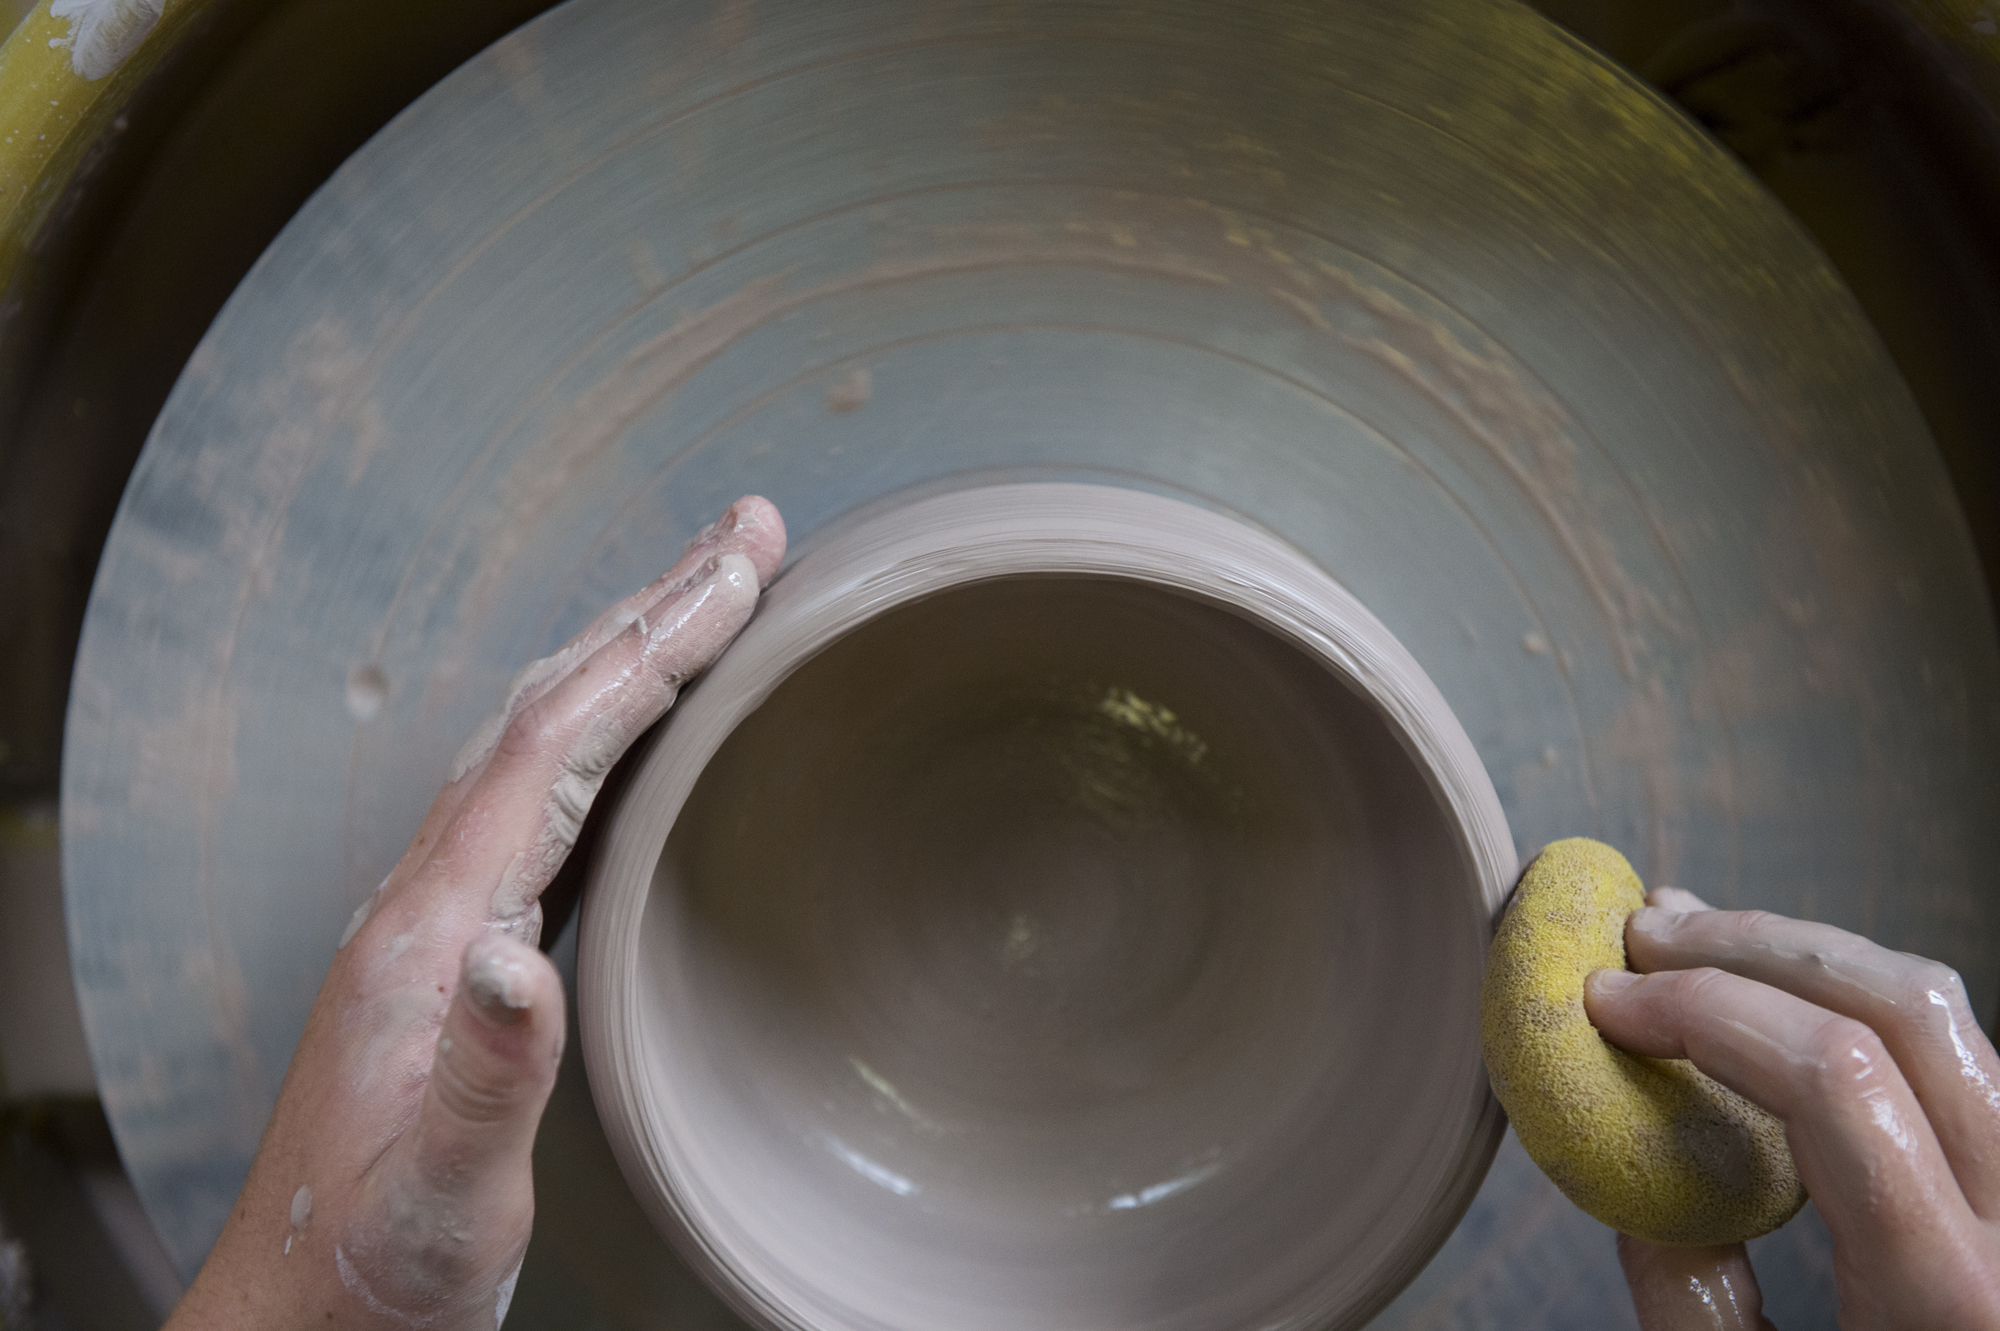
x,y
497,984
1604,983
726,523
1655,920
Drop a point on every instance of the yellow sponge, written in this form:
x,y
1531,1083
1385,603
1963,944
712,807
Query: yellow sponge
x,y
1652,1147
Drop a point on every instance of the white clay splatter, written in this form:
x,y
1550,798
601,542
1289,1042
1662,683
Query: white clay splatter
x,y
302,1207
382,1024
523,928
505,1296
498,981
355,1285
584,770
360,915
103,33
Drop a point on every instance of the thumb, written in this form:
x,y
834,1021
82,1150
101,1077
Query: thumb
x,y
496,1063
1692,1289
445,1213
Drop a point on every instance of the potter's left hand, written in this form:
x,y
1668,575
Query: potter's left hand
x,y
392,1186
1889,1092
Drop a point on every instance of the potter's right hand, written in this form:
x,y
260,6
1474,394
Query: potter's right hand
x,y
392,1186
1889,1092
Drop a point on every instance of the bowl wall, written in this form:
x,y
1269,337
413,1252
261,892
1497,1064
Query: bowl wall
x,y
1063,906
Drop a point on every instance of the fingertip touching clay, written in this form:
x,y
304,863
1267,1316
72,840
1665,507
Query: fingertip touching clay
x,y
669,643
1652,1147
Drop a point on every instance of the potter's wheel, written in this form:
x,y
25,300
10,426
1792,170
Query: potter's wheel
x,y
1521,359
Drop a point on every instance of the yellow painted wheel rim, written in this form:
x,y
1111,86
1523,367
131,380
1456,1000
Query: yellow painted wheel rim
x,y
51,115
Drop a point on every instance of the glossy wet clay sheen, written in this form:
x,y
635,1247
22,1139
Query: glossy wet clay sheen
x,y
1063,906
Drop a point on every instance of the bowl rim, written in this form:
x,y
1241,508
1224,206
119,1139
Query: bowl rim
x,y
892,557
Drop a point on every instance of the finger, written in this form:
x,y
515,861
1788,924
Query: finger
x,y
445,1213
1859,1139
1918,1007
751,527
521,817
1676,898
496,1063
1692,1289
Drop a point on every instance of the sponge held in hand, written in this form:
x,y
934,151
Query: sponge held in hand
x,y
1652,1147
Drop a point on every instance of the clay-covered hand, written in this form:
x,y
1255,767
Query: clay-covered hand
x,y
1889,1092
392,1186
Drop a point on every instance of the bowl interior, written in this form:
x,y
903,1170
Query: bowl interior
x,y
1061,950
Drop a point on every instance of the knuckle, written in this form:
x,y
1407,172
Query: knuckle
x,y
1845,1056
533,730
1690,991
1691,985
1932,1003
1924,978
1751,933
1752,924
475,1097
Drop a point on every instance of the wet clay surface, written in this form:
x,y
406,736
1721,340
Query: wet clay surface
x,y
1041,949
1064,902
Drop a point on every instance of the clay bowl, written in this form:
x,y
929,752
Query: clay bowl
x,y
1063,906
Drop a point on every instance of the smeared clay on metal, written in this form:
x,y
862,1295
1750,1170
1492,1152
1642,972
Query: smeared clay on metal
x,y
1017,926
103,33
